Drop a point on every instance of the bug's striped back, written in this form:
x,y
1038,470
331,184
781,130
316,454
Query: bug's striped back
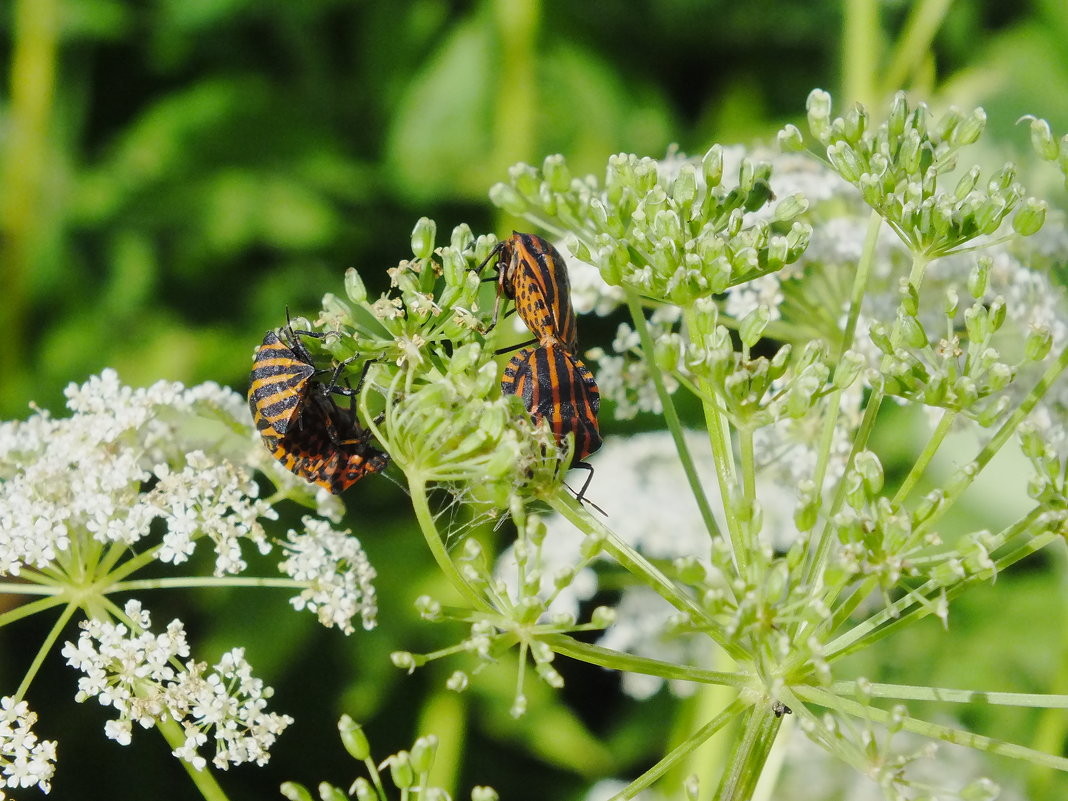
x,y
279,384
328,448
531,272
556,386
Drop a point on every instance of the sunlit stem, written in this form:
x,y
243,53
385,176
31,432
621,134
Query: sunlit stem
x,y
680,752
670,415
759,727
44,650
639,566
930,449
417,488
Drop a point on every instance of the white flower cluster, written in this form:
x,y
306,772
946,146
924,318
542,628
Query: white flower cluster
x,y
338,574
24,760
212,499
82,478
135,671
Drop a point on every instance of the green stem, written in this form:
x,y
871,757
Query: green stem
x,y
636,564
817,695
417,489
46,646
680,752
933,444
187,582
750,753
914,43
860,50
904,692
671,416
856,301
25,610
871,630
618,660
203,779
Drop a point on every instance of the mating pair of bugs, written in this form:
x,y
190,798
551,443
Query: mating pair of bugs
x,y
552,381
308,432
301,423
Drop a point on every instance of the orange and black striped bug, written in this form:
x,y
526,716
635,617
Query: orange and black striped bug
x,y
281,380
532,272
329,448
556,386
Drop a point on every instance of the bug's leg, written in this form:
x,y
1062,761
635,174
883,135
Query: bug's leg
x,y
510,348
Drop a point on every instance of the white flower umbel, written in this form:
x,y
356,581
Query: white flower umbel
x,y
134,671
138,476
24,759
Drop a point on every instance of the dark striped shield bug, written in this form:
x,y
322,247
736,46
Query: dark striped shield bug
x,y
281,380
556,386
329,448
532,272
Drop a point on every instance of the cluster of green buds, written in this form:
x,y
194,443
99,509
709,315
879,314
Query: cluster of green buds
x,y
409,770
670,232
961,368
898,168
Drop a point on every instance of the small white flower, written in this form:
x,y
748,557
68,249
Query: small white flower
x,y
338,574
25,760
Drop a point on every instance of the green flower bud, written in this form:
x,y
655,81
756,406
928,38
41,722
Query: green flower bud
x,y
480,793
555,170
979,277
400,770
423,753
930,504
870,470
981,789
354,739
967,183
818,107
328,792
791,140
752,326
334,306
405,660
1039,342
845,161
505,197
848,369
684,190
908,156
790,207
667,351
1030,217
877,333
970,130
911,331
354,288
1042,139
362,790
525,179
295,792
457,682
856,123
948,123
808,506
423,236
997,313
951,303
899,112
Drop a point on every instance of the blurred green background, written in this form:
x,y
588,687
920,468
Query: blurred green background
x,y
176,172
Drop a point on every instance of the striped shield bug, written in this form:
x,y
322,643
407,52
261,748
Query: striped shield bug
x,y
329,448
532,272
281,380
556,386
